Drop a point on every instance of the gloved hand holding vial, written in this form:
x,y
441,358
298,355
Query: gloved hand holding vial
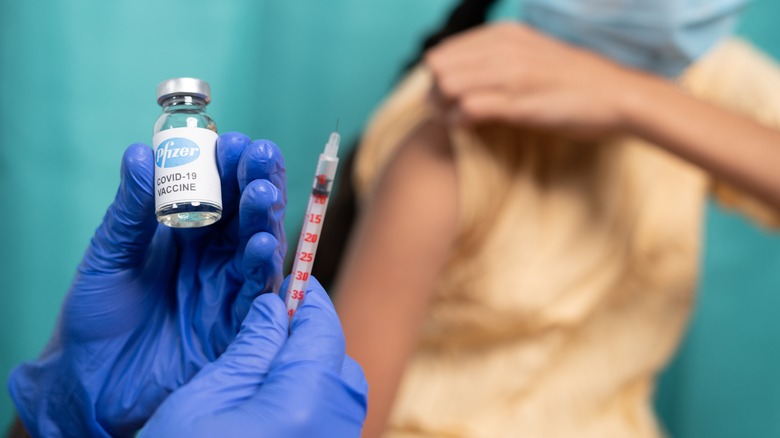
x,y
151,305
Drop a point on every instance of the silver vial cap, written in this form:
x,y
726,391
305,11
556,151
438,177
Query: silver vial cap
x,y
189,86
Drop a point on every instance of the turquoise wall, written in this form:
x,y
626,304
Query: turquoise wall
x,y
724,382
77,84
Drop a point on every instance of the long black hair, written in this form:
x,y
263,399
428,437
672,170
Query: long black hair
x,y
466,15
343,209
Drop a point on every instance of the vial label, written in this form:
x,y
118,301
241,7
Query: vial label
x,y
186,167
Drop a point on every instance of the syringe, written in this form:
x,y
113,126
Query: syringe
x,y
312,223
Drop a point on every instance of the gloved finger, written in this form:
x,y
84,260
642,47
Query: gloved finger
x,y
283,288
315,333
262,159
298,400
353,375
129,224
230,146
262,266
262,181
261,212
261,209
303,400
259,263
234,377
248,358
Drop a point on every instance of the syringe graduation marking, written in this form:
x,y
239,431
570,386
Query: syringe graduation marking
x,y
312,224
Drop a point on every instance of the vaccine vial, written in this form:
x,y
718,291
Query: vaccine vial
x,y
187,187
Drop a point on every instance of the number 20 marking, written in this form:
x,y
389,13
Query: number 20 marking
x,y
310,237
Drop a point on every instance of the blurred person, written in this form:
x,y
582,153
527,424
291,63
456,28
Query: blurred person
x,y
532,201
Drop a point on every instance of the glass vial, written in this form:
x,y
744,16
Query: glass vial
x,y
187,187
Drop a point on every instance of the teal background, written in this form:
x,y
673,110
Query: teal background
x,y
77,85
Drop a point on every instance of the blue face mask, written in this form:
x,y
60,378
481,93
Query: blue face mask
x,y
660,36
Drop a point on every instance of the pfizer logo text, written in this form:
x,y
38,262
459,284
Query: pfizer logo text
x,y
176,152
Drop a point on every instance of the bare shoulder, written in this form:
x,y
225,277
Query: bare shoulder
x,y
423,165
408,225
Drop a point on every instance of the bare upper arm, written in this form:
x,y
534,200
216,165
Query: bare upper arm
x,y
403,240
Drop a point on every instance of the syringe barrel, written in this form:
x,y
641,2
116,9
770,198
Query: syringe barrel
x,y
311,231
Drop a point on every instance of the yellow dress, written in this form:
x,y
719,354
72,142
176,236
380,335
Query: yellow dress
x,y
574,273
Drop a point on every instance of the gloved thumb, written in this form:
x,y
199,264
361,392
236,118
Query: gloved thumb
x,y
230,380
262,335
243,367
129,224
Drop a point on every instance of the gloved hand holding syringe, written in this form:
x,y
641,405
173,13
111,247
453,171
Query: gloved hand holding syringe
x,y
312,223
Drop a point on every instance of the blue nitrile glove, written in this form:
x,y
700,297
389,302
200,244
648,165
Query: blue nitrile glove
x,y
267,385
151,305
